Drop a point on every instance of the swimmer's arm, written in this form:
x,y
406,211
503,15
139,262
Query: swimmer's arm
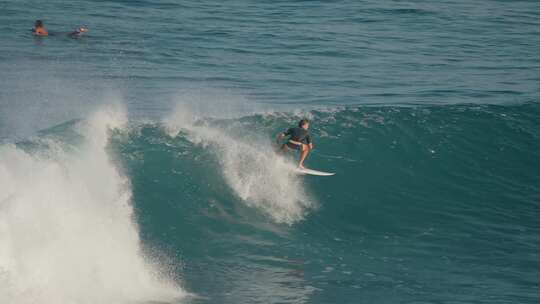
x,y
40,32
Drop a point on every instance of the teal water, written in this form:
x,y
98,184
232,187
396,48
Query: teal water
x,y
137,163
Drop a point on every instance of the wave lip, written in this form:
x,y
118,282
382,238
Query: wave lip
x,y
67,229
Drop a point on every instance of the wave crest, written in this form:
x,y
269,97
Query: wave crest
x,y
66,226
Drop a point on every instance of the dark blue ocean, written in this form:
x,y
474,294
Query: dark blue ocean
x,y
137,161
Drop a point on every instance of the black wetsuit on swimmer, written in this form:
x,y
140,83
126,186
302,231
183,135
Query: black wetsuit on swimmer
x,y
298,135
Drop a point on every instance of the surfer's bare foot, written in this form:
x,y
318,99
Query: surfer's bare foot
x,y
301,167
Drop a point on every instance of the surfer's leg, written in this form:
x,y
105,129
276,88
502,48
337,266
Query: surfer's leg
x,y
303,155
283,149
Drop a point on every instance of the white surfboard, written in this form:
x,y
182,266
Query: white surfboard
x,y
312,172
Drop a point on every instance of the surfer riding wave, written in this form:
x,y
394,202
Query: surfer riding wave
x,y
299,139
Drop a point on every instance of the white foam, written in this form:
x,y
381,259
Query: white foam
x,y
66,228
256,174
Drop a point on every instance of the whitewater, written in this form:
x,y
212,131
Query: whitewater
x,y
67,225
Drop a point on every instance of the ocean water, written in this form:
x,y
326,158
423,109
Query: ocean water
x,y
137,162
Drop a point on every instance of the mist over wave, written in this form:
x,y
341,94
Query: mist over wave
x,y
66,224
260,177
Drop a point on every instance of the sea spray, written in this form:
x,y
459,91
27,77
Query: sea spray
x,y
250,166
66,225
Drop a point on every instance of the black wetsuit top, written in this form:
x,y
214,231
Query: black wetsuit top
x,y
299,134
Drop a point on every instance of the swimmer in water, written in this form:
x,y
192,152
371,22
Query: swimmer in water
x,y
39,29
78,32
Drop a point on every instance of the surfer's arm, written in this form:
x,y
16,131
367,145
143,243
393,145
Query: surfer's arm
x,y
283,134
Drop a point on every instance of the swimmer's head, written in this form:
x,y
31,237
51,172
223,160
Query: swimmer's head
x,y
38,23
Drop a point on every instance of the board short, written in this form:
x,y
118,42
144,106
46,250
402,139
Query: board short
x,y
294,146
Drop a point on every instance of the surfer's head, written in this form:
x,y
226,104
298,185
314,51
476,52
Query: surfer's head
x,y
38,24
304,123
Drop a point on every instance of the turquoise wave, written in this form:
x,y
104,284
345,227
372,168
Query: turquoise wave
x,y
429,204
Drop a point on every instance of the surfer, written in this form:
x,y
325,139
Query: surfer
x,y
39,29
78,32
299,139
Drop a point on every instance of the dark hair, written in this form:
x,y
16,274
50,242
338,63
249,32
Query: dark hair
x,y
38,23
303,122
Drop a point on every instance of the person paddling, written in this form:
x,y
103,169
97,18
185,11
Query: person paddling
x,y
77,33
39,29
299,139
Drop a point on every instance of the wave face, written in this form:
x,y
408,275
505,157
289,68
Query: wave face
x,y
66,222
425,201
